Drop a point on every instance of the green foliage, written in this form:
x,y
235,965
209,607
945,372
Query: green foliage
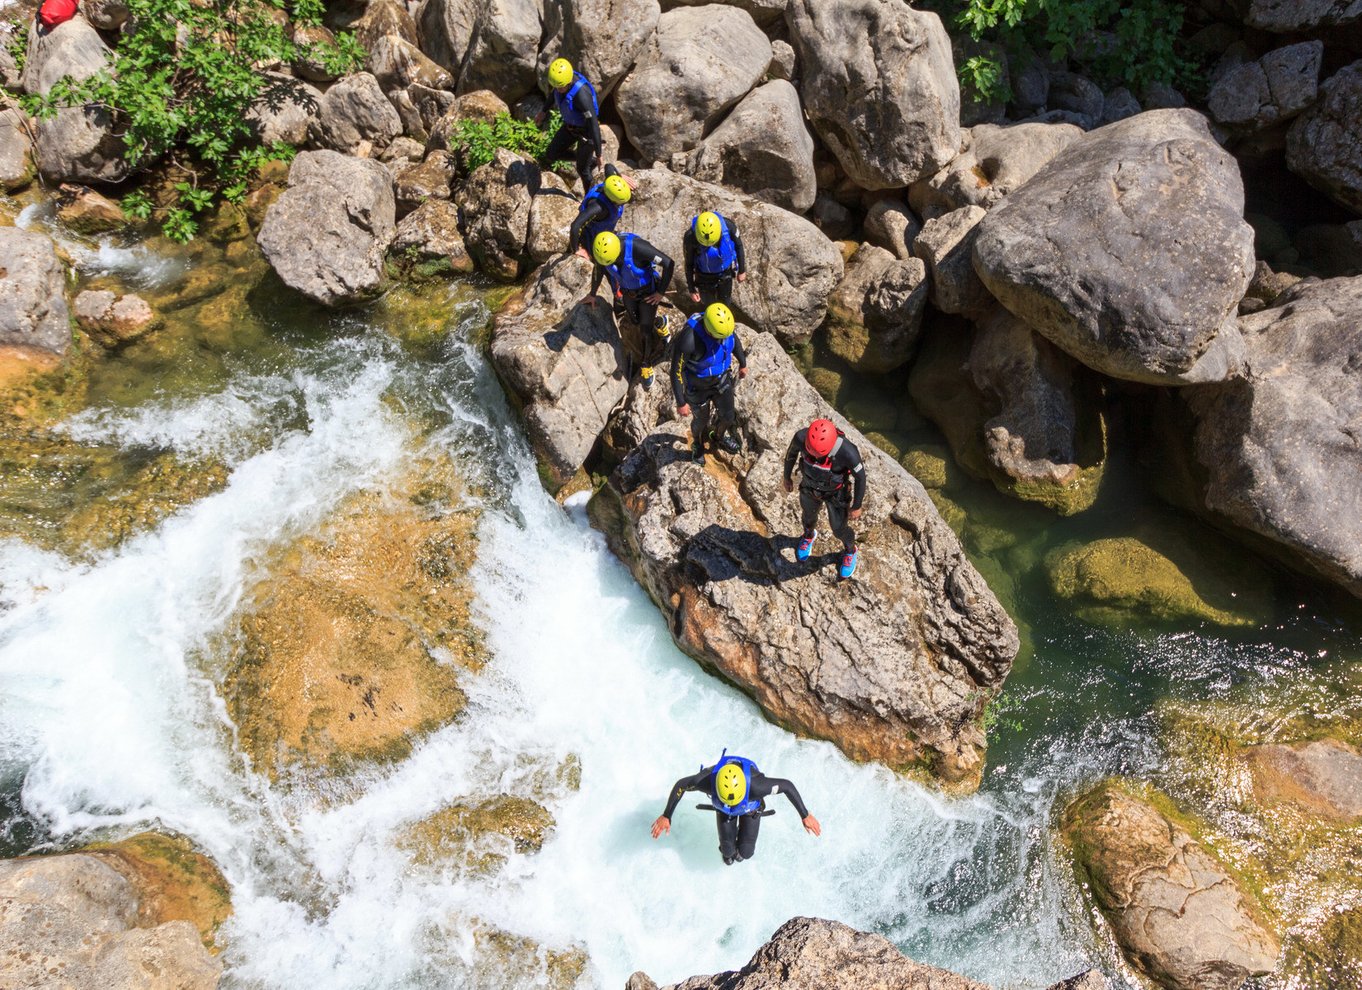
x,y
983,78
180,86
476,141
1117,42
18,43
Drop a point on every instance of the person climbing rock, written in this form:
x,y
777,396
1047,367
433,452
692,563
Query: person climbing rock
x,y
831,474
639,273
580,134
737,791
714,258
601,210
702,375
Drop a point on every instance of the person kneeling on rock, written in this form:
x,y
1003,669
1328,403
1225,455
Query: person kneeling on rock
x,y
737,792
831,473
702,374
639,273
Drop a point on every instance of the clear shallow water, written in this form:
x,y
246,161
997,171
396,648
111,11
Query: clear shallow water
x,y
110,721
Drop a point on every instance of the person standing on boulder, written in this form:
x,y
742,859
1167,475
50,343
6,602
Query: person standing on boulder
x,y
714,258
575,100
702,375
737,793
601,210
831,474
639,273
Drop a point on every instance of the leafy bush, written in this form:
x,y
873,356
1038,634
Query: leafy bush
x,y
18,43
1117,42
180,85
475,142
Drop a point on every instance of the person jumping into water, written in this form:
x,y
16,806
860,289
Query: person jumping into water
x,y
737,791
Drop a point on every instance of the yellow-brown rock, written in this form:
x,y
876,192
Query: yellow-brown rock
x,y
453,834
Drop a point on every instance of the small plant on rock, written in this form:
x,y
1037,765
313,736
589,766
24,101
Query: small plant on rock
x,y
475,142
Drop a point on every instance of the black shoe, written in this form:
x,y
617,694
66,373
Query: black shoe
x,y
738,857
730,444
729,860
697,454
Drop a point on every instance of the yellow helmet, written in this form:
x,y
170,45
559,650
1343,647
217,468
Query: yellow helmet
x,y
730,784
708,229
718,319
560,73
605,248
617,190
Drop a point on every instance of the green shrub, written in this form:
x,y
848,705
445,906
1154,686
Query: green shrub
x,y
475,142
18,44
180,85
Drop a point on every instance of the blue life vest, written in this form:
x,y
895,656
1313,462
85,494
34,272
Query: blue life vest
x,y
614,212
749,770
564,103
624,274
718,354
719,257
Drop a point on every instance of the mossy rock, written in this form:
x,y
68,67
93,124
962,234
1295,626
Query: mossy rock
x,y
871,411
826,382
175,882
335,660
1331,956
891,445
942,391
454,834
505,959
929,464
1157,576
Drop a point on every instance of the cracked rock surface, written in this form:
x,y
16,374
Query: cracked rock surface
x,y
893,665
1179,915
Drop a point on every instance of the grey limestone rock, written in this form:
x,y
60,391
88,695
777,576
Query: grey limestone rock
x,y
354,113
1292,16
601,38
486,44
17,167
946,245
285,110
1323,147
876,311
993,162
890,224
1276,87
33,310
495,204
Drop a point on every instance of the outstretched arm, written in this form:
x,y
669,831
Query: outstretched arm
x,y
778,785
695,782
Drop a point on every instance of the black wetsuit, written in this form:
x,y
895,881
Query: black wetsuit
x,y
592,212
716,287
643,343
585,142
839,482
737,834
699,393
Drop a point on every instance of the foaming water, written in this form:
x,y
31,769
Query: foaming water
x,y
139,265
112,719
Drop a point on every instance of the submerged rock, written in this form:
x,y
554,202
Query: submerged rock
x,y
461,832
348,649
1323,777
1178,913
893,665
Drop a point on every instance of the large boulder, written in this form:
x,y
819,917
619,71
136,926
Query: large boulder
x,y
495,203
354,114
114,320
81,916
326,236
17,167
701,62
486,44
879,87
1266,91
430,236
1129,250
762,148
33,311
1322,145
792,266
1271,446
894,665
370,20
285,111
397,63
875,314
1178,913
946,245
1293,16
78,144
994,162
602,38
762,11
561,362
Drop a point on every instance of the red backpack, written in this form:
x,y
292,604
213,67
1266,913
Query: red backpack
x,y
55,12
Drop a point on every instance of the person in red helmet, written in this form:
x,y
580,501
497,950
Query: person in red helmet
x,y
831,473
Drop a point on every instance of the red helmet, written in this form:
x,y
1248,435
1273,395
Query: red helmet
x,y
821,438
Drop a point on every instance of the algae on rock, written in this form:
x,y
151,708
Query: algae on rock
x,y
458,833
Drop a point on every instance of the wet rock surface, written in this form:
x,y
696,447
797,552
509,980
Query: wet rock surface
x,y
892,665
1323,777
33,310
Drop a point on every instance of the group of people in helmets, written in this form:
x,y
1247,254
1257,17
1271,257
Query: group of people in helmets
x,y
703,381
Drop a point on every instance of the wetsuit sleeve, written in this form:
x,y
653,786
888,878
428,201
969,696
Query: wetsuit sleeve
x,y
792,455
584,107
737,246
611,170
738,351
695,782
688,246
764,787
682,345
647,255
588,214
597,274
856,468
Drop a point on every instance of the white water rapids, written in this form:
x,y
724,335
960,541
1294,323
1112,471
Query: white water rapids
x,y
111,718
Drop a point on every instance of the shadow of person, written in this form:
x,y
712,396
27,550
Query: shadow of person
x,y
720,553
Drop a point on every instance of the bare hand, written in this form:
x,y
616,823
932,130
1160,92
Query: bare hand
x,y
742,276
695,297
629,180
654,299
742,372
589,301
854,514
683,410
663,824
810,825
789,485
